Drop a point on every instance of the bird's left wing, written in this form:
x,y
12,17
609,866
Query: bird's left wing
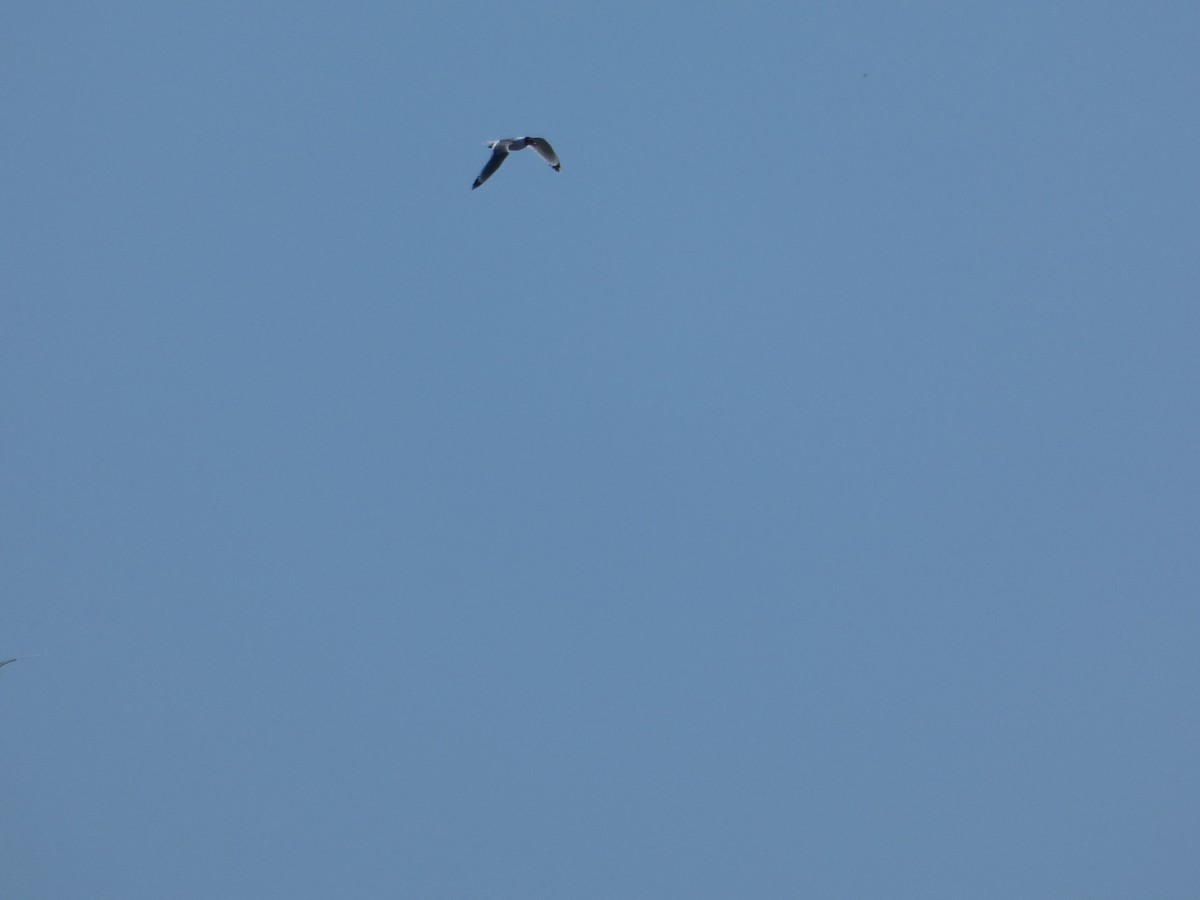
x,y
498,156
545,151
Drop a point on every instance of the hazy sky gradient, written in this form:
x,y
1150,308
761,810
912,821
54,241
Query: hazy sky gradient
x,y
796,496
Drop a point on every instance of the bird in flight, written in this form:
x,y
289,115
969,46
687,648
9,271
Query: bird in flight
x,y
501,149
5,662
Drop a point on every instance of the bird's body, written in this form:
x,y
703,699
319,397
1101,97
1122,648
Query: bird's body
x,y
500,150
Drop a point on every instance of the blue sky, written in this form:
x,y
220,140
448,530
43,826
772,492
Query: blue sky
x,y
794,496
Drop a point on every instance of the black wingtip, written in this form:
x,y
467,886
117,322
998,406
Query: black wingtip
x,y
558,168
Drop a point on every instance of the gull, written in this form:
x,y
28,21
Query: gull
x,y
500,149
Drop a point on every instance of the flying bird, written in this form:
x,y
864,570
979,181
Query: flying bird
x,y
500,149
5,662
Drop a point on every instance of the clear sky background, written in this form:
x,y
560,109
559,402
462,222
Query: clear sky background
x,y
796,496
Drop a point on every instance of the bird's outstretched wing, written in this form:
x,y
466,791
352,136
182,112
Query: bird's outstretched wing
x,y
545,151
493,164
